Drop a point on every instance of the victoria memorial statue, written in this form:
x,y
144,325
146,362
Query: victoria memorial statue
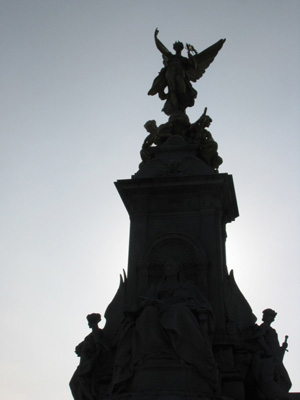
x,y
178,326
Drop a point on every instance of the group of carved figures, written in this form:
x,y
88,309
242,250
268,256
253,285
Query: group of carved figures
x,y
173,85
196,133
174,324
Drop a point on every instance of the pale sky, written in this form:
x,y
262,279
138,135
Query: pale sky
x,y
74,81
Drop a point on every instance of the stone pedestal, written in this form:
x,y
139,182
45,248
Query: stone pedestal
x,y
180,217
179,327
179,208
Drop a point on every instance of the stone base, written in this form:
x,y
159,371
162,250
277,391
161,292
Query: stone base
x,y
233,386
160,378
163,396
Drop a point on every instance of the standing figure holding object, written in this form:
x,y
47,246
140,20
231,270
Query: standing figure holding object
x,y
179,72
268,369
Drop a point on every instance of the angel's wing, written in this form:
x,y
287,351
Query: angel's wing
x,y
203,60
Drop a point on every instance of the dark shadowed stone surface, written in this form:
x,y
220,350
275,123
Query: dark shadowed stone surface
x,y
183,217
178,326
161,395
181,379
175,157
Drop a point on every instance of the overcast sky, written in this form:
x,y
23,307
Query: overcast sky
x,y
74,82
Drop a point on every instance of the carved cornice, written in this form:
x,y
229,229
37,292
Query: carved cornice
x,y
186,194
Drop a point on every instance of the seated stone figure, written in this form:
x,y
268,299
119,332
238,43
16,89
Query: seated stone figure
x,y
208,147
151,139
157,136
172,327
95,368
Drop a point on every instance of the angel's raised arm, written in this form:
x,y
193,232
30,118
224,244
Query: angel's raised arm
x,y
161,47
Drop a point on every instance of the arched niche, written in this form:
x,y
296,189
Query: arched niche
x,y
189,254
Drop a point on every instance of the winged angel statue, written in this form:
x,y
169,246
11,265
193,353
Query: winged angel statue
x,y
178,73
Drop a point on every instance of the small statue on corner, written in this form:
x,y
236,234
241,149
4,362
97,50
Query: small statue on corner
x,y
267,365
151,139
94,371
207,145
157,135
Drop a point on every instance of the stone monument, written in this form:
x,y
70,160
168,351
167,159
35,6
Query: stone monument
x,y
178,326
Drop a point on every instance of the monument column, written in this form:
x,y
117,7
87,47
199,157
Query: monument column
x,y
179,217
